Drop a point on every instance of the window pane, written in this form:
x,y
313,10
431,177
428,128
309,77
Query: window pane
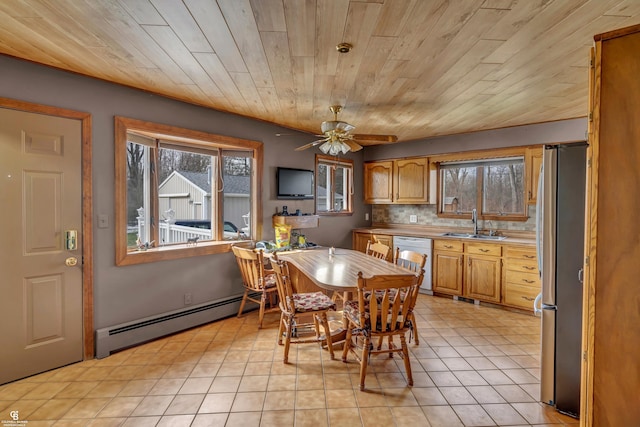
x,y
503,188
333,185
340,189
323,187
237,197
184,196
137,203
459,189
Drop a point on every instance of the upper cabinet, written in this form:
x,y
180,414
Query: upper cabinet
x,y
533,159
402,181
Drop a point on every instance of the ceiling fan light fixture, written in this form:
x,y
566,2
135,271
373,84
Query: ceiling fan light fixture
x,y
334,147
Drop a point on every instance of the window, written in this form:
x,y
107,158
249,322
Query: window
x,y
182,192
495,188
334,185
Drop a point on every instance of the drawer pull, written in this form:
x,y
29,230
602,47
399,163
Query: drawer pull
x,y
528,267
528,281
484,250
529,256
448,246
528,298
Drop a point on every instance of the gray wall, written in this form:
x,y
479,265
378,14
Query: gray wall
x,y
542,133
132,292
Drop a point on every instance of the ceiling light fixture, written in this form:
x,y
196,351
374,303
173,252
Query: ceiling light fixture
x,y
344,47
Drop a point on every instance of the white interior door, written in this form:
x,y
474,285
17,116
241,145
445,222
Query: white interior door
x,y
40,199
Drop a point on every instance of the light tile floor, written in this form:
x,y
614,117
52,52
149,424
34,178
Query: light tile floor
x,y
475,366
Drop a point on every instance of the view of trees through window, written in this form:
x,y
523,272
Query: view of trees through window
x,y
493,187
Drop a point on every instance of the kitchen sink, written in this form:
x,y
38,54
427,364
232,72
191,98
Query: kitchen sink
x,y
486,237
474,236
463,235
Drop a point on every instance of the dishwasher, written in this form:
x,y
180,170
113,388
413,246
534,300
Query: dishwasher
x,y
422,246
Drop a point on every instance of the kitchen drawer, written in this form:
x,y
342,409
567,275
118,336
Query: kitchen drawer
x,y
524,265
520,253
524,279
519,296
483,249
447,245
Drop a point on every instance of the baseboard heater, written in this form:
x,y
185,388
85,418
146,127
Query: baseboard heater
x,y
138,331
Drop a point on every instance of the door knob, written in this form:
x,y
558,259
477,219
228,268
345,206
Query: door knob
x,y
71,261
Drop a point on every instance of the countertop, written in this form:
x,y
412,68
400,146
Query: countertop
x,y
515,237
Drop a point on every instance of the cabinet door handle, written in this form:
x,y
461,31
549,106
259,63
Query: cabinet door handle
x,y
484,250
528,281
528,267
527,298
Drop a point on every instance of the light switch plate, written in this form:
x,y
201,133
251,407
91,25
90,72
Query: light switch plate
x,y
413,218
103,221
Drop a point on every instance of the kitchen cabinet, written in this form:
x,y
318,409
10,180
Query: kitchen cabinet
x,y
611,336
521,280
360,239
401,181
447,267
533,162
483,271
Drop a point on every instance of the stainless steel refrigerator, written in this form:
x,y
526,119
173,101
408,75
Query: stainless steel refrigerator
x,y
560,232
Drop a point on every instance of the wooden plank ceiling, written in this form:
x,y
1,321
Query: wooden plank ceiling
x,y
418,68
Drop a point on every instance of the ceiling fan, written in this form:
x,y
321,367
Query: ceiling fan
x,y
336,136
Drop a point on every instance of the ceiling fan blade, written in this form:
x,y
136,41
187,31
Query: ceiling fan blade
x,y
354,146
311,144
370,139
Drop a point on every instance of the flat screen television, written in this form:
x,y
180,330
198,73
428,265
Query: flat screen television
x,y
294,184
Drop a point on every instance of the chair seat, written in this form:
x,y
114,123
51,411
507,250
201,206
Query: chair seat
x,y
312,301
269,281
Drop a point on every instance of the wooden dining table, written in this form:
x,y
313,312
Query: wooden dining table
x,y
337,271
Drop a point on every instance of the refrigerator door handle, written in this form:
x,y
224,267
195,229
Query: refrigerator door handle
x,y
549,307
537,305
539,219
581,275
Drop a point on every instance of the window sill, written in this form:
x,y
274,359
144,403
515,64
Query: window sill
x,y
166,253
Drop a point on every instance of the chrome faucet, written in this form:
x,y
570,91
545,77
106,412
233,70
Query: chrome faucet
x,y
474,220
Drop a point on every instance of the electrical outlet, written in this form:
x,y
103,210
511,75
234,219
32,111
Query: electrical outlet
x,y
413,218
366,216
187,299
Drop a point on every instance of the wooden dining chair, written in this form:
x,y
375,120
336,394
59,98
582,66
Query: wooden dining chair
x,y
377,250
295,305
256,279
380,311
413,261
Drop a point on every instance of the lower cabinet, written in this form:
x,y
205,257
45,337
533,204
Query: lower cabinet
x,y
521,282
471,270
447,267
483,272
499,273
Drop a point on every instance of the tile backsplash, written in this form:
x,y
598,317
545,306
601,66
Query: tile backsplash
x,y
427,215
